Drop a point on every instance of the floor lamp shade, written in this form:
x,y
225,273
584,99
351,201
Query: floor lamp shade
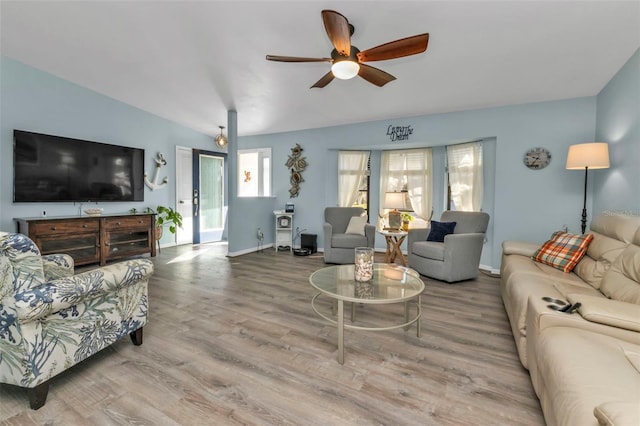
x,y
594,155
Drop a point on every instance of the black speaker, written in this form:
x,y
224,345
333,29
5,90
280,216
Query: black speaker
x,y
309,242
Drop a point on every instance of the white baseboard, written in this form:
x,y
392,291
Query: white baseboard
x,y
249,250
490,270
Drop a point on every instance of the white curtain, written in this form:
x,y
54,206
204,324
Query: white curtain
x,y
408,170
465,176
352,171
420,181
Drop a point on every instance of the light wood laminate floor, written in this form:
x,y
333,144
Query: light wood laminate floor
x,y
235,341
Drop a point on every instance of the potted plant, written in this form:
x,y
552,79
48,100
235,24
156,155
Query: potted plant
x,y
167,215
406,218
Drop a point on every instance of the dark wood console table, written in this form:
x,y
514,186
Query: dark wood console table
x,y
93,239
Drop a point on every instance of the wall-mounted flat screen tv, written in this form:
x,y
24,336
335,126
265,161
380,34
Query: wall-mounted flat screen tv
x,y
57,169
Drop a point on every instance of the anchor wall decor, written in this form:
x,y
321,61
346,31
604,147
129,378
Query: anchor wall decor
x,y
160,161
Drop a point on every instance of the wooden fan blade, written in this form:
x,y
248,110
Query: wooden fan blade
x,y
338,31
326,79
374,75
396,49
296,59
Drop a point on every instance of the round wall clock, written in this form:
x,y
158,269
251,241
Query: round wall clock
x,y
537,158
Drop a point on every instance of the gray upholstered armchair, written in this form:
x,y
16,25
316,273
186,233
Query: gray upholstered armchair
x,y
458,257
338,245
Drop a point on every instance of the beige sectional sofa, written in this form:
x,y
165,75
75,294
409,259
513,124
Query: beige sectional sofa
x,y
585,366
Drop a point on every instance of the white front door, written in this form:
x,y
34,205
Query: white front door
x,y
184,193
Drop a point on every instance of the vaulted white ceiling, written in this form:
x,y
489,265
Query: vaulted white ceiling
x,y
191,61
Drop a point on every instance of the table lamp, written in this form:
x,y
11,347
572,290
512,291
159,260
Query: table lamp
x,y
394,201
594,155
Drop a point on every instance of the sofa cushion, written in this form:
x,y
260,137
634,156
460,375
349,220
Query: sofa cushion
x,y
356,225
348,241
617,226
519,247
429,249
563,250
618,413
580,370
517,266
606,311
622,280
439,230
602,251
521,285
577,287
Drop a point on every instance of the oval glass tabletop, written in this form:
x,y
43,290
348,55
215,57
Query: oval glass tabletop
x,y
390,283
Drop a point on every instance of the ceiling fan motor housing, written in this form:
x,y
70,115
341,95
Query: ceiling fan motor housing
x,y
352,57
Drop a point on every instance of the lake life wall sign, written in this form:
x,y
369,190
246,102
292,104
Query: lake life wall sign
x,y
399,133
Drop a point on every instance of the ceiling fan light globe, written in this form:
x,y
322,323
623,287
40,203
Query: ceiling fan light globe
x,y
345,70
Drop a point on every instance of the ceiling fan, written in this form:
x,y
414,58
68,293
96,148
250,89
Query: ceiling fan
x,y
348,61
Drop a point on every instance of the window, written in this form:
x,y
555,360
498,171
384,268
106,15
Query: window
x,y
411,171
254,172
353,179
464,177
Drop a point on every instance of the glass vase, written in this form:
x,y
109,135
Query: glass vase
x,y
363,269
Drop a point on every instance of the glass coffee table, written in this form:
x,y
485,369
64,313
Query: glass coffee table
x,y
390,284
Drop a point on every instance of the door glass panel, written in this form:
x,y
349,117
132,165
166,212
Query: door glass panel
x,y
211,193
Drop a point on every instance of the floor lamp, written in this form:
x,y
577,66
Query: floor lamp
x,y
587,156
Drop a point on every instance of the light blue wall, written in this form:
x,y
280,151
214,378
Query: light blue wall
x,y
618,123
528,205
36,101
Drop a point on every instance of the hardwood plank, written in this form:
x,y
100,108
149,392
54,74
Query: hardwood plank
x,y
235,341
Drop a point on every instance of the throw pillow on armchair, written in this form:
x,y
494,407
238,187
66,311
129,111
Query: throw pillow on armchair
x,y
439,230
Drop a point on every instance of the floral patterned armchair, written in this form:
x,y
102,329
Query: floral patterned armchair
x,y
51,319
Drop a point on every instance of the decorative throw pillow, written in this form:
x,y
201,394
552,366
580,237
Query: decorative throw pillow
x,y
563,251
356,225
439,230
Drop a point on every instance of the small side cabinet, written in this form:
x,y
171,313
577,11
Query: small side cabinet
x,y
284,230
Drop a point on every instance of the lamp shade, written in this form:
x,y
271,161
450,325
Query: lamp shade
x,y
593,155
394,200
345,70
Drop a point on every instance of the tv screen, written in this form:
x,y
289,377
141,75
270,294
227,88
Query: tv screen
x,y
54,168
